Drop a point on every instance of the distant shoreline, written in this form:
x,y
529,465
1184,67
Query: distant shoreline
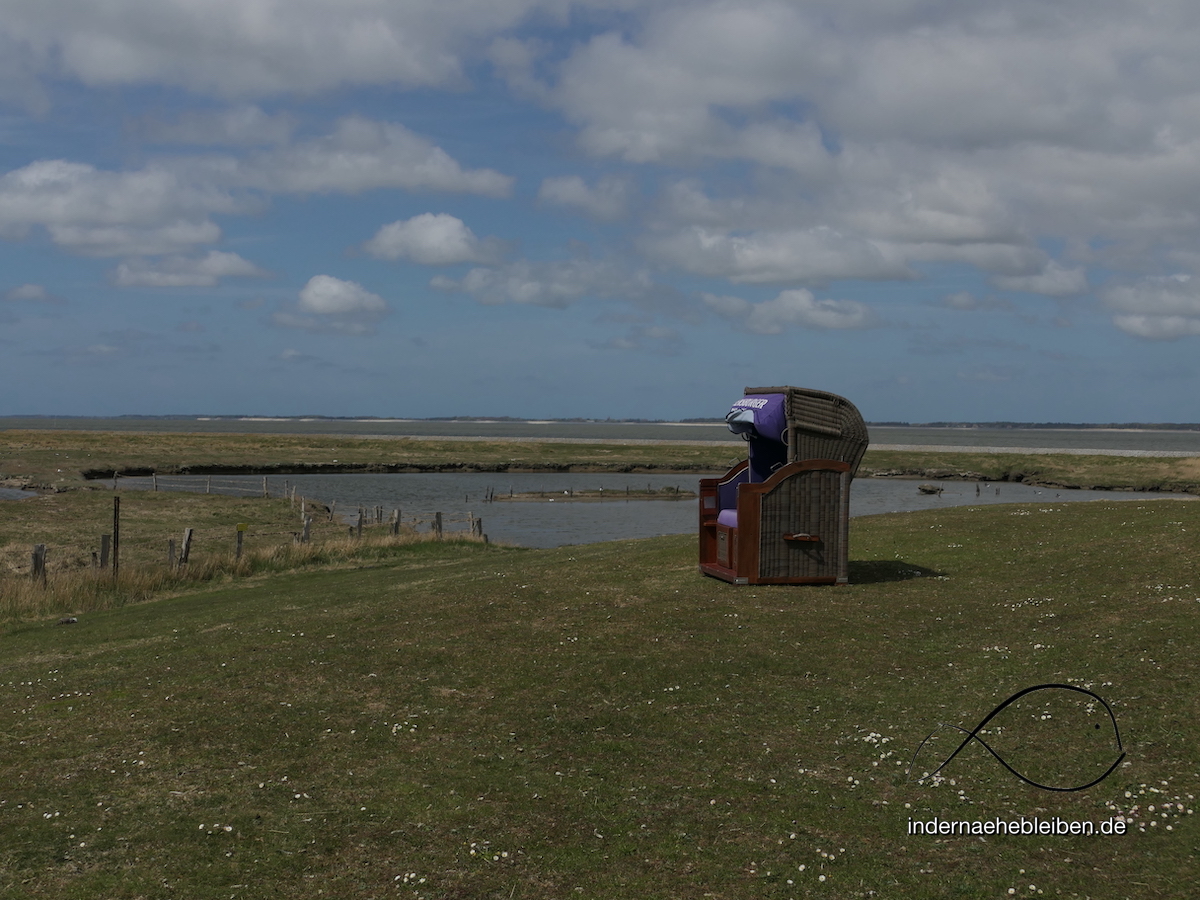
x,y
123,421
1100,440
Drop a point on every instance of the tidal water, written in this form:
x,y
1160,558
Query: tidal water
x,y
553,521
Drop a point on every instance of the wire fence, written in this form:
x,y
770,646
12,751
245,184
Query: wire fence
x,y
354,517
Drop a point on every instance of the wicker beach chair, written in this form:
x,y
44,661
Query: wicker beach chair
x,y
782,516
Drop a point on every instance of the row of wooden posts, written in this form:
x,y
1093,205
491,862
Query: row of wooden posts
x,y
110,549
177,556
393,522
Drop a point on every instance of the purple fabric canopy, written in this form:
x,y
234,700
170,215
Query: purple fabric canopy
x,y
762,420
763,415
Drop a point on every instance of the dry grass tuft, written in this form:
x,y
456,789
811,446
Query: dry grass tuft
x,y
75,591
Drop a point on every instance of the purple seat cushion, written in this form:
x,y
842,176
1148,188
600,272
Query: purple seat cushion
x,y
727,517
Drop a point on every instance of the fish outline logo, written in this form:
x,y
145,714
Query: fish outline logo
x,y
973,735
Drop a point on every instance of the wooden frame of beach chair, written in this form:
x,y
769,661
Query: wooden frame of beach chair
x,y
794,527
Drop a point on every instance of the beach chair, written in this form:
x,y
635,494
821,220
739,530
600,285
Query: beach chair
x,y
782,516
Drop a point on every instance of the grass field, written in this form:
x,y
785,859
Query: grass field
x,y
463,721
59,459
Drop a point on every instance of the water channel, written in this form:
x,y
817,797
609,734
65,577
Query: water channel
x,y
552,520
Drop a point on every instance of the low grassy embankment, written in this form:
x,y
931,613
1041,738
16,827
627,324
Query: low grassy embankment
x,y
1060,470
465,721
64,460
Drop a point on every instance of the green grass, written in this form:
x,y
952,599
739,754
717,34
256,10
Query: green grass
x,y
1172,474
601,721
71,524
58,459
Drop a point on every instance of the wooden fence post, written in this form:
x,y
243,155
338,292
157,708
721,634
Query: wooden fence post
x,y
105,544
186,549
360,522
332,507
38,568
304,535
208,485
437,525
265,494
395,521
116,537
154,481
477,527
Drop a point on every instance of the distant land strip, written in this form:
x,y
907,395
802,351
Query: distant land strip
x,y
915,448
1062,451
37,420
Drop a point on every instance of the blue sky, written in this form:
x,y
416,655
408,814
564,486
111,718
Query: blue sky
x,y
968,211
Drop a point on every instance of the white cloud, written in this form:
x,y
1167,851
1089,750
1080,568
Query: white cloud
x,y
1160,296
432,240
1158,328
727,305
360,155
180,271
1159,308
166,207
329,296
961,300
30,293
654,338
966,75
99,213
939,133
654,99
514,59
811,256
826,140
607,201
244,125
1054,281
331,304
796,307
170,237
557,284
259,47
19,85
